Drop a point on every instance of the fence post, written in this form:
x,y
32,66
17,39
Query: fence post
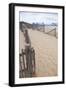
x,y
23,63
20,71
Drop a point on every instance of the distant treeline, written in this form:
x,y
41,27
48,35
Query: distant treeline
x,y
34,25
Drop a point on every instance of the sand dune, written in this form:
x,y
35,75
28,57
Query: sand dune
x,y
45,52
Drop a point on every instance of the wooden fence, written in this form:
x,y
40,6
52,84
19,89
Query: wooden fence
x,y
27,58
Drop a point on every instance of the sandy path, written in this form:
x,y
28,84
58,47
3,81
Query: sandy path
x,y
46,53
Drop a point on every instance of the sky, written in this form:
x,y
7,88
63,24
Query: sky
x,y
38,17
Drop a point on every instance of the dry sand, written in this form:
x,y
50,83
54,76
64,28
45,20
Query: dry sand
x,y
46,47
21,41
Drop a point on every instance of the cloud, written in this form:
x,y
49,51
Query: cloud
x,y
37,17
